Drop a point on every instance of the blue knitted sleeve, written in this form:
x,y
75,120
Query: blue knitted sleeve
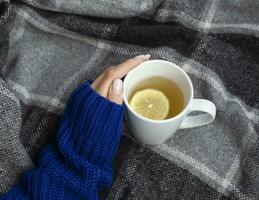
x,y
79,164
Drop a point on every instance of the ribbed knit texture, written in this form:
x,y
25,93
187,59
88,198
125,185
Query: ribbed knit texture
x,y
79,164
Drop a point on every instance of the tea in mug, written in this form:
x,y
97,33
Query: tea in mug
x,y
157,98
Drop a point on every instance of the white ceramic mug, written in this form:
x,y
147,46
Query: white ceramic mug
x,y
153,132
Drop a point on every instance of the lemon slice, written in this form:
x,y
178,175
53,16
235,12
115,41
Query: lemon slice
x,y
150,103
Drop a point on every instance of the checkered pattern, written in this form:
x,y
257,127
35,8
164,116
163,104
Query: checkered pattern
x,y
48,48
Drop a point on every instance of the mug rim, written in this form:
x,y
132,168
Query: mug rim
x,y
164,120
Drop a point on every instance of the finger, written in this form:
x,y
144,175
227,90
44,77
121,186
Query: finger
x,y
139,59
118,72
97,81
124,68
115,93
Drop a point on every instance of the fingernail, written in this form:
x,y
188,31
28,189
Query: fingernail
x,y
144,57
117,86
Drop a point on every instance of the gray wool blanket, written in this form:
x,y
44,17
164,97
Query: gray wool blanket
x,y
48,48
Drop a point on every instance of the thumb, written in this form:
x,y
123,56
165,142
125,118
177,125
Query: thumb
x,y
115,93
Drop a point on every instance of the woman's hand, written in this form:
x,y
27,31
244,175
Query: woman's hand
x,y
109,83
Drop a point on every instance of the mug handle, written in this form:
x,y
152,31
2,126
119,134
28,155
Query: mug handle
x,y
202,105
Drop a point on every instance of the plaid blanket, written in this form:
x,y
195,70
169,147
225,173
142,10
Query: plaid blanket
x,y
48,48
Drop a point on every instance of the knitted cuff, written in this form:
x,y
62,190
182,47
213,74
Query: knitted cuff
x,y
94,123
